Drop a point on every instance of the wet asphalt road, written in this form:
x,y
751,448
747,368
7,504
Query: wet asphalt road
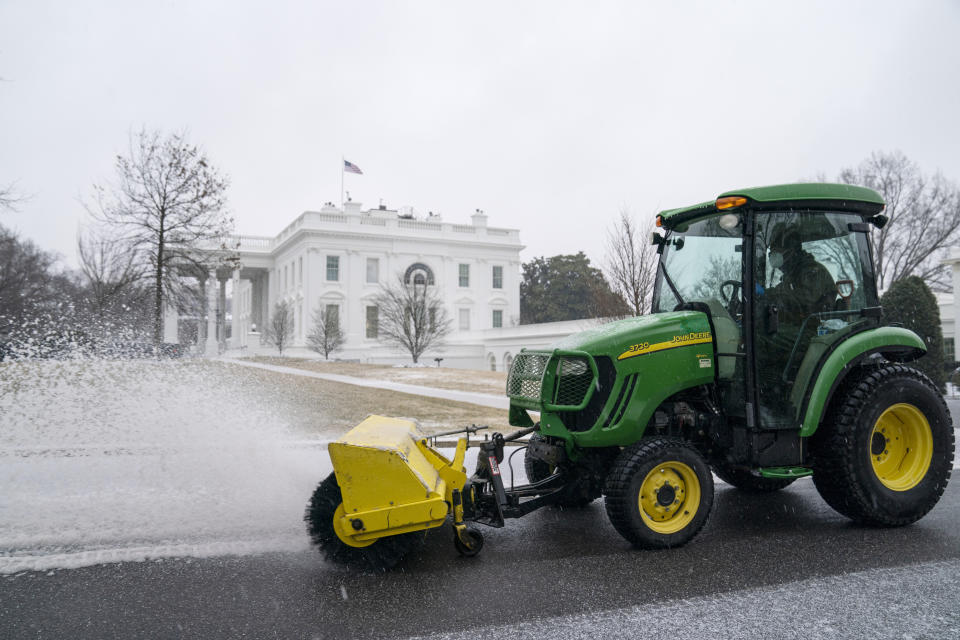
x,y
547,565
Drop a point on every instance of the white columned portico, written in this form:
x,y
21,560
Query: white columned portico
x,y
211,345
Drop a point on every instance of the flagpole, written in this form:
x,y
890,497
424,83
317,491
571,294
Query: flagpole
x,y
342,164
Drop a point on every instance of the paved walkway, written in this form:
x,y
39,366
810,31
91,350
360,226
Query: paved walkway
x,y
471,397
482,399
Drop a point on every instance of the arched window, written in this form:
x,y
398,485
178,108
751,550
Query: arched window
x,y
507,361
418,273
493,362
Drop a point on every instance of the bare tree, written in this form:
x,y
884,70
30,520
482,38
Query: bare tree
x,y
26,272
924,213
114,276
10,199
631,261
38,302
325,335
279,331
411,316
168,200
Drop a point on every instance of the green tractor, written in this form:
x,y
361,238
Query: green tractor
x,y
764,360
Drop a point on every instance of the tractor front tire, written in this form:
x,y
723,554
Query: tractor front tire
x,y
538,470
380,555
746,481
884,453
659,493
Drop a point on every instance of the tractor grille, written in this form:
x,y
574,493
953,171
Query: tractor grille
x,y
571,384
584,420
526,376
573,381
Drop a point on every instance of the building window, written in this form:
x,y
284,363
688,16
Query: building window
x,y
333,268
464,319
493,362
300,271
498,277
948,350
418,273
497,318
333,315
373,322
373,270
464,275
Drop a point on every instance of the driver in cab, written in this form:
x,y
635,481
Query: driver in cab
x,y
805,286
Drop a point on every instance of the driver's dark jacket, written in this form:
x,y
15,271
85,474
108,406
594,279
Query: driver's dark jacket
x,y
807,287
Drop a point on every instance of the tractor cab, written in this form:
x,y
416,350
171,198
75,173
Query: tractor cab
x,y
783,277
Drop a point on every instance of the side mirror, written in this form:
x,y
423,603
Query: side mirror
x,y
879,221
845,288
656,238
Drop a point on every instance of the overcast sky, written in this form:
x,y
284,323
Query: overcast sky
x,y
549,116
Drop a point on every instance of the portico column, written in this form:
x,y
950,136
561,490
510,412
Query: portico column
x,y
203,311
222,313
171,320
211,346
235,338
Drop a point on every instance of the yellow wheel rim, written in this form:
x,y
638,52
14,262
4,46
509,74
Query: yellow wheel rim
x,y
901,447
344,534
669,497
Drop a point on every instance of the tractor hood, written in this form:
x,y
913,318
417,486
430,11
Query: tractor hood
x,y
665,352
635,337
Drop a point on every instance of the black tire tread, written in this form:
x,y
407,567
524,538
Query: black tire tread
x,y
834,448
618,498
382,555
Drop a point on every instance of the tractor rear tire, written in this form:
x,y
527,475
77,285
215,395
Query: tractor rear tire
x,y
538,470
659,493
884,453
746,481
379,556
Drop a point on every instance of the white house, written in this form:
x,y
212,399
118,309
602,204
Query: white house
x,y
336,259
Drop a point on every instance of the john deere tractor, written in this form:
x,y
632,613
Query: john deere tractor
x,y
765,359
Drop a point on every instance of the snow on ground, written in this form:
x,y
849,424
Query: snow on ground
x,y
108,461
125,460
917,601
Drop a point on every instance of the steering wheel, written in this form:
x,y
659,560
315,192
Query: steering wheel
x,y
732,301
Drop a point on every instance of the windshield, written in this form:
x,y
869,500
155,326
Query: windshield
x,y
703,263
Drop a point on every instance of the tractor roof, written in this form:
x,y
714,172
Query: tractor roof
x,y
817,194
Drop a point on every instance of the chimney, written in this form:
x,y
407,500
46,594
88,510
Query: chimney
x,y
479,218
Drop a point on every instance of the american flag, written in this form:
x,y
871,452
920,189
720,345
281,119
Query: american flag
x,y
351,168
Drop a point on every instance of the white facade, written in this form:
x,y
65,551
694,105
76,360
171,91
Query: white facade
x,y
339,257
949,310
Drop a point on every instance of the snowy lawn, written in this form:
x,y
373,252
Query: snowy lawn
x,y
493,382
126,460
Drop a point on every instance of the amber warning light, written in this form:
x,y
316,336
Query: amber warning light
x,y
730,202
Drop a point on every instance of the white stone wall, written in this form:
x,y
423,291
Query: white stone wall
x,y
296,264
